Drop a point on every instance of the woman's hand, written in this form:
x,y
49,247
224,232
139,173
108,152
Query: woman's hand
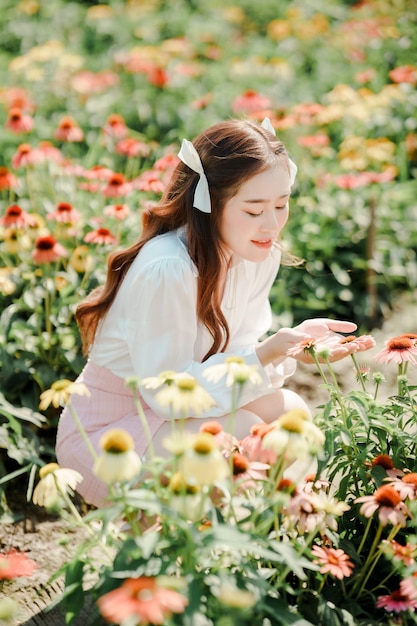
x,y
322,331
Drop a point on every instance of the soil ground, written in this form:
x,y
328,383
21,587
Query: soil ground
x,y
48,540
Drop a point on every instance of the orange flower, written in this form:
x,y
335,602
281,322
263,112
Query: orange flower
x,y
101,236
68,130
13,564
47,250
17,218
404,74
142,598
7,179
18,122
398,349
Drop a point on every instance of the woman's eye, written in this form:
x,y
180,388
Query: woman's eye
x,y
254,214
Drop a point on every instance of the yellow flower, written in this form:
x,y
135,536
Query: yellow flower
x,y
184,396
15,241
60,392
187,498
203,462
81,260
118,461
236,370
54,482
294,436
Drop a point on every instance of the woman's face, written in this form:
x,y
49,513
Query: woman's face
x,y
254,217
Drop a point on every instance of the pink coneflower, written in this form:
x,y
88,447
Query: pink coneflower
x,y
406,485
167,162
100,236
47,250
408,586
396,602
26,155
98,172
131,147
398,349
64,213
87,82
333,561
116,186
385,461
246,472
115,126
7,179
143,599
250,101
48,152
319,140
17,217
358,344
17,97
251,445
119,211
387,501
404,74
157,76
149,181
226,441
68,130
14,564
19,122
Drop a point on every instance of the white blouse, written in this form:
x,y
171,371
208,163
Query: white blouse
x,y
152,326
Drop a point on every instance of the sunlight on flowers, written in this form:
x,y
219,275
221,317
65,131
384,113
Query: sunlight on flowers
x,y
60,393
54,483
203,462
118,461
236,370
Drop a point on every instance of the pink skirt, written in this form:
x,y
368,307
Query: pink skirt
x,y
110,405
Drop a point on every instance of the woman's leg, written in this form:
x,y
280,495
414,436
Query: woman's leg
x,y
242,422
271,406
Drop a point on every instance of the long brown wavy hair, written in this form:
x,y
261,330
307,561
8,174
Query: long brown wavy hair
x,y
231,152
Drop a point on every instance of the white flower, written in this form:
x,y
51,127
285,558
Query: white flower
x,y
294,435
236,371
203,463
188,499
230,595
184,396
54,482
118,462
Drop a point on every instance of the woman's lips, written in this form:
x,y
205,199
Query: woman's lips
x,y
262,244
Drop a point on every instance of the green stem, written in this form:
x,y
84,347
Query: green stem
x,y
358,371
81,430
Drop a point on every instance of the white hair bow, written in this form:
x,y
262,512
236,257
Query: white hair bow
x,y
189,155
293,168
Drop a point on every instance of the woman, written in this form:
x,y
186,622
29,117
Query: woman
x,y
190,292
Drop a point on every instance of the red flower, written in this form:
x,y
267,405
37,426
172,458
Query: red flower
x,y
7,179
157,76
13,564
17,218
404,74
47,250
18,122
143,599
68,130
250,101
64,213
101,236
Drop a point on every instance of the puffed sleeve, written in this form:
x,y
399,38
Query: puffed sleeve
x,y
161,331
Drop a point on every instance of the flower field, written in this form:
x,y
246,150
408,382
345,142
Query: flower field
x,y
94,102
